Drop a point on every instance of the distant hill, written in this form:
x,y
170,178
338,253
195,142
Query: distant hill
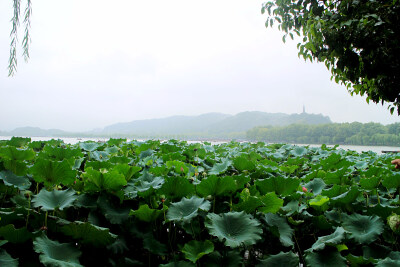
x,y
212,123
36,131
208,125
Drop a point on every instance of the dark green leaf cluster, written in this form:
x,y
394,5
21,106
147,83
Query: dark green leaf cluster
x,y
169,203
359,41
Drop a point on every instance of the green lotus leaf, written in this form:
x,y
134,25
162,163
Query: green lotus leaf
x,y
231,258
382,211
369,183
56,199
13,153
243,162
315,186
216,186
114,214
248,203
363,229
176,187
127,170
153,245
53,253
360,260
177,166
147,181
144,213
376,251
391,181
6,260
388,262
10,179
348,197
18,141
194,250
112,150
89,146
60,153
361,165
319,202
332,239
13,235
53,172
299,151
99,156
119,246
279,227
89,233
325,258
97,165
186,209
178,264
103,180
286,259
234,228
280,185
220,168
116,141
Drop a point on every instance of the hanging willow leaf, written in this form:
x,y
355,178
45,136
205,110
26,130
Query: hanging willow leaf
x,y
234,228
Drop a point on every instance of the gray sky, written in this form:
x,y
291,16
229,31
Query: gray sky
x,y
94,63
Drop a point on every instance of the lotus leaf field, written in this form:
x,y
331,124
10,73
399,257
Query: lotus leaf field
x,y
173,203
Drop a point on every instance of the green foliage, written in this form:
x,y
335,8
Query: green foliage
x,y
358,41
333,133
152,203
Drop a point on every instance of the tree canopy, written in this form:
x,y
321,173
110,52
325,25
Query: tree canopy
x,y
358,40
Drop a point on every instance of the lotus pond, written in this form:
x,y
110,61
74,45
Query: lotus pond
x,y
171,203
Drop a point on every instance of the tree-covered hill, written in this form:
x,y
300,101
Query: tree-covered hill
x,y
335,133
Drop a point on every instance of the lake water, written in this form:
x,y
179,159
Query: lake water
x,y
74,140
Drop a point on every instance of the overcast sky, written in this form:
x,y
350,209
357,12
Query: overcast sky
x,y
95,63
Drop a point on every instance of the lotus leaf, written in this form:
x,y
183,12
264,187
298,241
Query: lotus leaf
x,y
177,187
220,168
186,209
325,258
54,199
280,185
286,259
10,179
332,239
144,213
194,250
89,146
89,233
53,172
216,186
363,229
280,228
13,235
234,228
6,260
53,253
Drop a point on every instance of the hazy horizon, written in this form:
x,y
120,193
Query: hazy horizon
x,y
94,64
